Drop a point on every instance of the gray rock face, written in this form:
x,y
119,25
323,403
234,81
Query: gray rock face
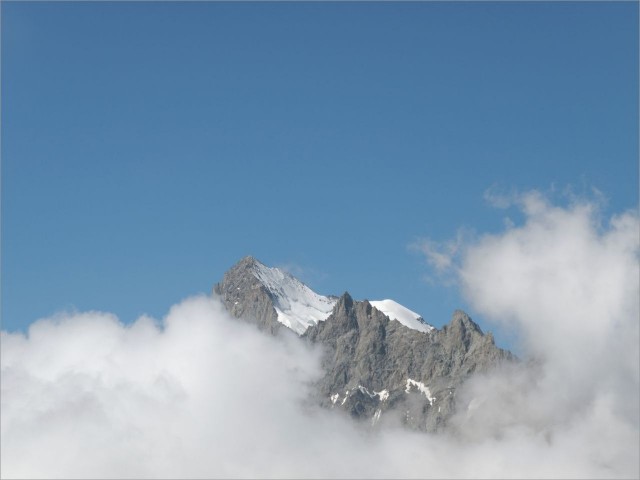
x,y
376,369
245,297
375,365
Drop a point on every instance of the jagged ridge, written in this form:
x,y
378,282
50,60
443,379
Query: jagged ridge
x,y
367,353
372,364
250,284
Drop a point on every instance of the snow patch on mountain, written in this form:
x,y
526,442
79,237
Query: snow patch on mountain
x,y
420,386
402,314
383,394
376,417
298,307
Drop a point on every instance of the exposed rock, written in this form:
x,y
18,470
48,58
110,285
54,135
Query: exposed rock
x,y
244,296
420,371
376,367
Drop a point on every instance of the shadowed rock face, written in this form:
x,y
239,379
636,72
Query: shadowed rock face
x,y
244,296
375,368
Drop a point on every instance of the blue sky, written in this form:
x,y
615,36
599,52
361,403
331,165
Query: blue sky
x,y
146,147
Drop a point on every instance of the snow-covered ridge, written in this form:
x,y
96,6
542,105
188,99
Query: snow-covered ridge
x,y
398,312
298,307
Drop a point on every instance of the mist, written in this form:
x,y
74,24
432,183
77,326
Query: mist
x,y
198,394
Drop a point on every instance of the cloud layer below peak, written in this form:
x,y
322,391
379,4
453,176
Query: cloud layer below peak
x,y
202,395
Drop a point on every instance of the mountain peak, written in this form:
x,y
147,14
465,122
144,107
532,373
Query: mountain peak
x,y
346,300
290,302
402,314
371,363
460,320
247,262
461,331
295,305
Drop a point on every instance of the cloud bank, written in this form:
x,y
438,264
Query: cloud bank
x,y
201,395
567,281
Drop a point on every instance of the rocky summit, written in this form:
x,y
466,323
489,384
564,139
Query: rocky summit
x,y
378,366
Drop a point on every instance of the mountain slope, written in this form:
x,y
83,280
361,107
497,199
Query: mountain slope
x,y
418,373
402,314
381,361
262,294
253,291
246,297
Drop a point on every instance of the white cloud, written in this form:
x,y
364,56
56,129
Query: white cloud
x,y
439,255
442,257
498,198
569,283
306,274
203,395
85,396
